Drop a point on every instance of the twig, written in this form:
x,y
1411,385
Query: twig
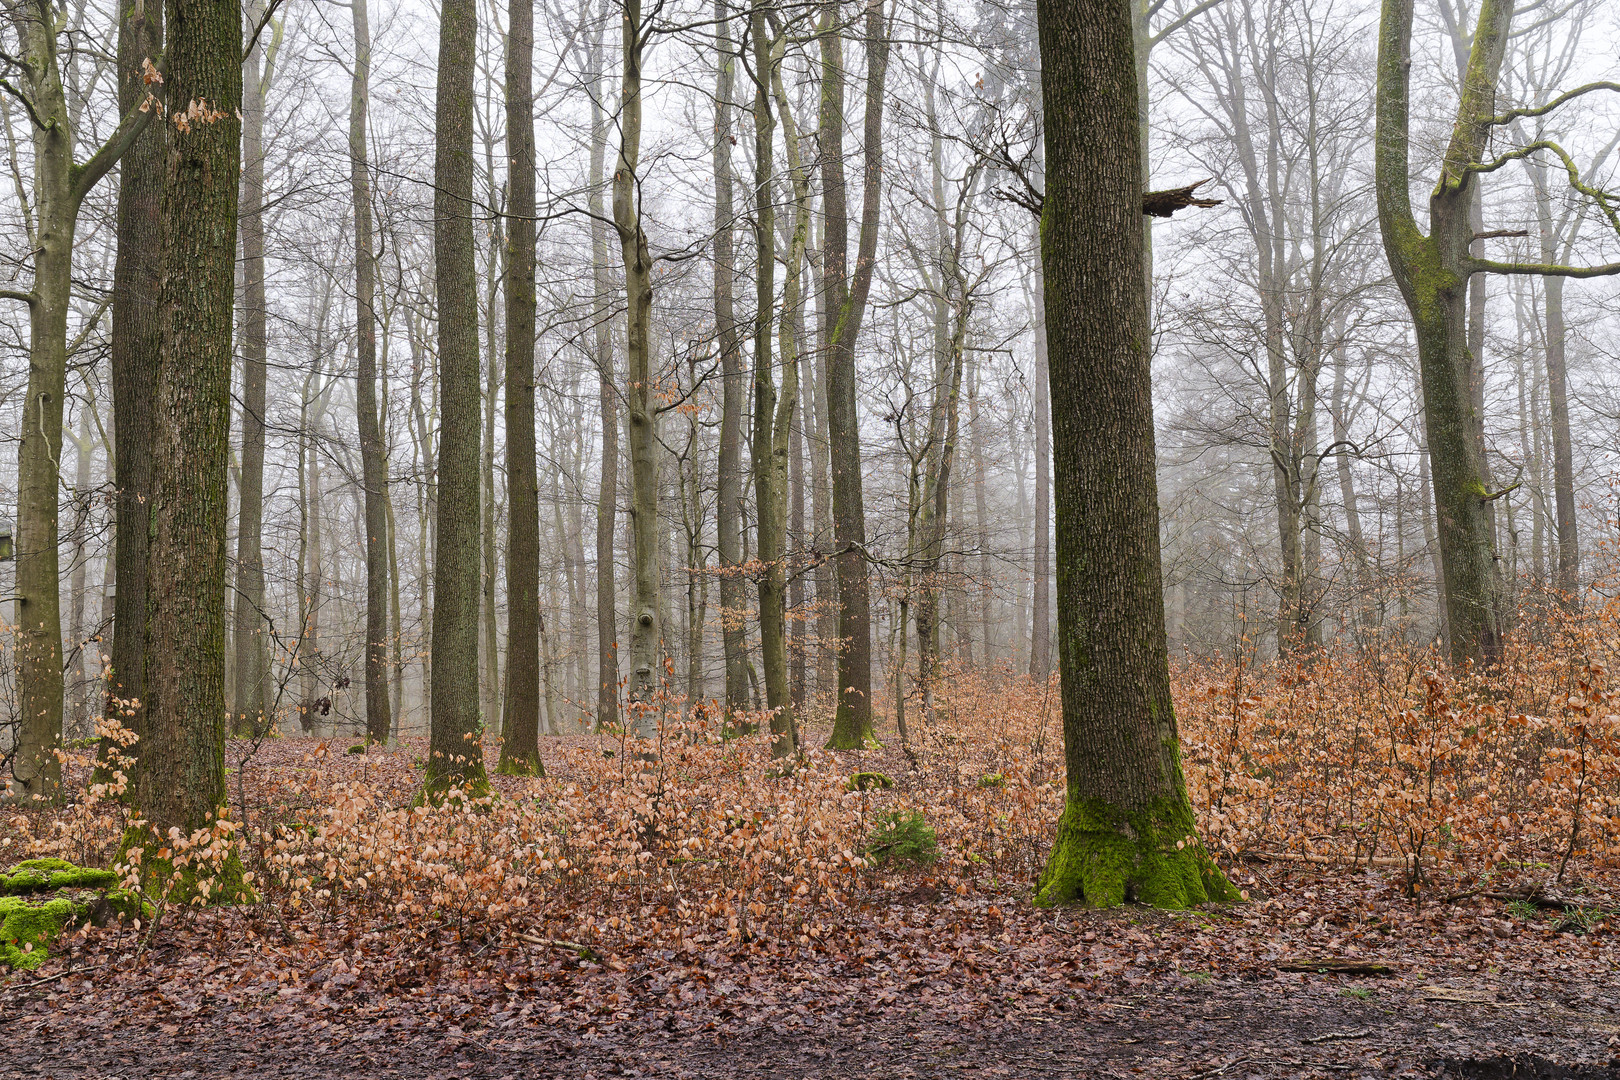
x,y
1332,1035
1266,1061
52,978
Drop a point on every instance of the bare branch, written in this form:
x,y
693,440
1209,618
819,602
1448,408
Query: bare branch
x,y
1517,114
1488,266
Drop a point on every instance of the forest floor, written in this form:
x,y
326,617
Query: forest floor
x,y
931,982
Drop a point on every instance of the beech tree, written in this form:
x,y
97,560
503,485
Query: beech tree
x,y
373,452
1127,830
646,626
60,184
520,727
1433,271
843,304
456,756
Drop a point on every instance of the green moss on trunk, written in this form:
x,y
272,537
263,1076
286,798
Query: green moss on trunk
x,y
1104,856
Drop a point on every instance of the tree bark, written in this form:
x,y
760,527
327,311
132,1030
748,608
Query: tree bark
x,y
520,727
646,633
844,296
133,353
181,782
373,452
456,756
1127,830
733,603
1432,272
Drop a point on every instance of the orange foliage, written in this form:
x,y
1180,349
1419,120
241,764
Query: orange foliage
x,y
1351,755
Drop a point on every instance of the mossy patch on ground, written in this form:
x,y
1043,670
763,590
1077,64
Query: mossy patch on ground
x,y
39,898
42,875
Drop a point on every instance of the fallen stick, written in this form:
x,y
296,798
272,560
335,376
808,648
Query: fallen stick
x,y
1333,1035
1336,966
585,952
1388,861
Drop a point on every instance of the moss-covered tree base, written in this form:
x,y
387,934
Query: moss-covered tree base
x,y
438,785
850,733
520,767
39,898
1103,857
189,883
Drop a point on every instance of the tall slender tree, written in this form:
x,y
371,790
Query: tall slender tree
x,y
373,452
728,524
133,353
60,185
844,298
520,728
250,702
646,629
607,496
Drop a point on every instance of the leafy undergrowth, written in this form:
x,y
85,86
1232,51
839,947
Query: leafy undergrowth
x,y
1376,809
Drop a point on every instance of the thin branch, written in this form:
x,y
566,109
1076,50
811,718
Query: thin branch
x,y
1516,114
1181,20
39,122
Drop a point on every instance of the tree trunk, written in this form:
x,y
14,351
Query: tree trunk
x,y
1432,272
733,604
646,626
773,411
844,296
181,782
133,352
1127,830
373,452
250,632
520,726
456,758
607,646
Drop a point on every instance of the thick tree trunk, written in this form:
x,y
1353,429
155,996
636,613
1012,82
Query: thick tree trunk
x,y
844,296
520,727
373,452
1127,830
181,782
456,758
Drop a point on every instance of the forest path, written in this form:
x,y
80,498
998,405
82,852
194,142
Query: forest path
x,y
1288,1026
